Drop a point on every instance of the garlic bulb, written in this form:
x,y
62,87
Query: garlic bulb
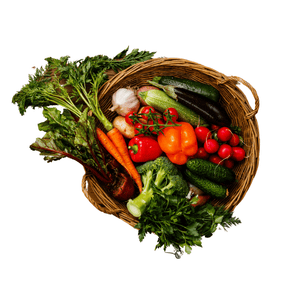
x,y
124,101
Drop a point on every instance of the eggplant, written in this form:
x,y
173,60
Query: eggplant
x,y
212,111
208,109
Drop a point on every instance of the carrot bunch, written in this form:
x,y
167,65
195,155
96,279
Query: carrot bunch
x,y
115,144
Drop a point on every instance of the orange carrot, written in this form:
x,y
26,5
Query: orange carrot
x,y
110,146
118,140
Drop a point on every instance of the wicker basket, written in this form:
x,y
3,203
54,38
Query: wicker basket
x,y
232,98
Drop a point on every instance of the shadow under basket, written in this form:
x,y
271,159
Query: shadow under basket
x,y
232,99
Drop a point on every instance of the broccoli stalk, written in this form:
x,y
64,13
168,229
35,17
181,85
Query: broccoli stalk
x,y
137,206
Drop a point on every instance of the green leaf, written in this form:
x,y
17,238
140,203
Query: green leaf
x,y
192,229
188,249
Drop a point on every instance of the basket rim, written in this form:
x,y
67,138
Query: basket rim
x,y
221,78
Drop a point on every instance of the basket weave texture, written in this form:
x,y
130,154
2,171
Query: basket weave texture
x,y
232,99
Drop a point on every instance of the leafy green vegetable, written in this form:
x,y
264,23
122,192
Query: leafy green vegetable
x,y
66,137
178,224
82,71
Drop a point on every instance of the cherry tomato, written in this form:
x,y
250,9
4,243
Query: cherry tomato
x,y
146,110
137,129
159,124
172,112
128,116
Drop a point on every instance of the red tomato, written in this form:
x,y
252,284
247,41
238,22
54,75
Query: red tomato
x,y
146,110
202,133
128,119
172,112
152,128
137,128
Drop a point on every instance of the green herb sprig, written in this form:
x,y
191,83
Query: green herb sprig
x,y
180,225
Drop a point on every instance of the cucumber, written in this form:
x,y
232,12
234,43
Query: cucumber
x,y
210,110
211,171
207,186
160,101
205,90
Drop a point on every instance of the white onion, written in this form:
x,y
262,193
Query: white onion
x,y
124,101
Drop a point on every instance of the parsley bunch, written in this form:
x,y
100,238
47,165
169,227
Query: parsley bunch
x,y
178,224
83,71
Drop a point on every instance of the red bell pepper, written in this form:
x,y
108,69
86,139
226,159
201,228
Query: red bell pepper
x,y
143,148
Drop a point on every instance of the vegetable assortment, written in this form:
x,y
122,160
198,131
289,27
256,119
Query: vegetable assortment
x,y
169,151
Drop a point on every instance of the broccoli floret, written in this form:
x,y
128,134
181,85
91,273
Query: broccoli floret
x,y
159,177
164,168
176,186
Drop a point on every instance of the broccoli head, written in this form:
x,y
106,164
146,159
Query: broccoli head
x,y
159,177
175,185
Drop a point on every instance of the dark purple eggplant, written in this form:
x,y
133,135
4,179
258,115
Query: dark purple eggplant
x,y
212,111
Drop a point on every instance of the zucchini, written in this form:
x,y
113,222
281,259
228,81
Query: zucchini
x,y
211,111
205,90
211,171
207,186
160,101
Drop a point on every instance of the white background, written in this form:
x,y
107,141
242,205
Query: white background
x,y
55,245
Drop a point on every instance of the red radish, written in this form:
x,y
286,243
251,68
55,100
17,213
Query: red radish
x,y
229,163
200,200
201,153
145,89
234,140
215,127
225,151
238,153
211,146
202,133
224,134
216,159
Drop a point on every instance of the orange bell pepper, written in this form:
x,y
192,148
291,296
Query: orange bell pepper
x,y
178,142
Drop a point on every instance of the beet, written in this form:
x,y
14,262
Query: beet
x,y
123,188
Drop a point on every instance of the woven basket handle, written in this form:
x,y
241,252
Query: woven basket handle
x,y
253,91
